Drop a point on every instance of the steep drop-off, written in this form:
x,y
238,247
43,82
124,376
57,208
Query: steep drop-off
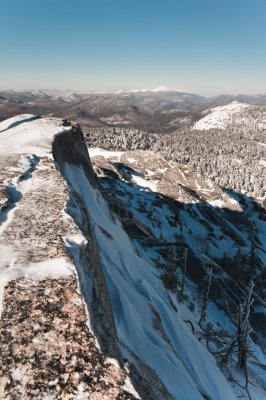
x,y
86,312
149,331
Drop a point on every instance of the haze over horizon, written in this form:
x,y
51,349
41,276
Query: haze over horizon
x,y
203,47
64,92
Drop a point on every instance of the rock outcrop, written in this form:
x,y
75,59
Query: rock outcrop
x,y
83,248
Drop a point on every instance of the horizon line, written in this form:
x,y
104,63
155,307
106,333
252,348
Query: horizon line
x,y
159,89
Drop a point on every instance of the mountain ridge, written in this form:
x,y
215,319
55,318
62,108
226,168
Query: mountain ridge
x,y
118,275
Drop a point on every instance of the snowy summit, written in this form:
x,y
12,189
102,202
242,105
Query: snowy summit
x,y
221,116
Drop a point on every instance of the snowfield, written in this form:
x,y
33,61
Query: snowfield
x,y
29,134
220,116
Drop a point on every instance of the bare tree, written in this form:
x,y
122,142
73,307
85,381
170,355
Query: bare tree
x,y
169,276
203,314
243,328
239,343
182,290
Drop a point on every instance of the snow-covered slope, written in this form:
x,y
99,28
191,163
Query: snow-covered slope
x,y
29,134
220,117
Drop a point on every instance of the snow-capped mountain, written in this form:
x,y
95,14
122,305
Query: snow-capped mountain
x,y
220,117
154,90
85,241
40,94
72,97
234,114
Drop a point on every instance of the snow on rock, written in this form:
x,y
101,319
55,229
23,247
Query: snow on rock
x,y
50,268
95,151
221,116
153,171
144,183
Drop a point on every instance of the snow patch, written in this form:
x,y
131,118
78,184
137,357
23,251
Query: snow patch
x,y
128,387
50,268
95,151
131,160
144,183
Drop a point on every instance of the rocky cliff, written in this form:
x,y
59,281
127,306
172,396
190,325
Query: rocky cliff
x,y
86,311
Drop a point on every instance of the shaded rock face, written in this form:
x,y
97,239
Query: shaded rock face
x,y
47,347
70,147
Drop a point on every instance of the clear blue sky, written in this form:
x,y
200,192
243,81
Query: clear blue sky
x,y
203,46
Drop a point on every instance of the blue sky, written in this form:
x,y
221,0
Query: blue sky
x,y
203,46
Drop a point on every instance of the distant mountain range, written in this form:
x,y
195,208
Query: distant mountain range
x,y
156,110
